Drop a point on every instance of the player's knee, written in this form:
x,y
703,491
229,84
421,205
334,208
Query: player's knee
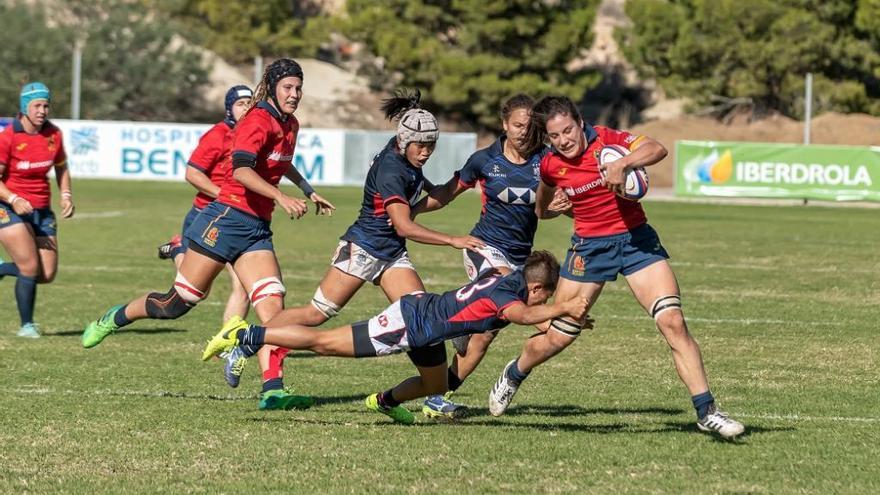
x,y
176,302
265,288
480,342
47,277
29,268
667,313
324,308
563,331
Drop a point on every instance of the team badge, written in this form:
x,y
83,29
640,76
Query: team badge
x,y
562,171
383,320
51,143
21,146
4,217
211,237
578,266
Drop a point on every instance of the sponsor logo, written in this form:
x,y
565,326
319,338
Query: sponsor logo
x,y
26,165
573,191
211,237
84,140
720,168
280,157
517,195
4,217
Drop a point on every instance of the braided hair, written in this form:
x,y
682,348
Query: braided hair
x,y
274,73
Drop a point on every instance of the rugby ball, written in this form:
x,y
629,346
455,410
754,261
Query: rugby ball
x,y
636,179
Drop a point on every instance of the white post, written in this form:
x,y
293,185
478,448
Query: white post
x,y
258,69
808,106
76,80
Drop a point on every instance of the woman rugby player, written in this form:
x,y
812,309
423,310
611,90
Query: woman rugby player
x,y
507,172
373,249
611,236
29,147
419,324
234,228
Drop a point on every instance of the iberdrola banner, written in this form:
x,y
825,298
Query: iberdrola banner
x,y
763,170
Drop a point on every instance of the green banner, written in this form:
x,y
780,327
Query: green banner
x,y
762,170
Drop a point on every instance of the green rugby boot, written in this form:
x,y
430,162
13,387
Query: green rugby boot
x,y
398,413
226,339
99,329
283,400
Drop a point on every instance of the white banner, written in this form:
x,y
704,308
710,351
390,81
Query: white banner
x,y
157,151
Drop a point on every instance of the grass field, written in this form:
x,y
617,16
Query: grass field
x,y
785,302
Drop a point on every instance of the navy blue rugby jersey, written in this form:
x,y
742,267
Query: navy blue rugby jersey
x,y
391,178
474,308
507,220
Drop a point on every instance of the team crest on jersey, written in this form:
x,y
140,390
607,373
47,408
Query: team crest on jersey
x,y
211,237
383,320
578,266
21,146
562,171
4,217
51,143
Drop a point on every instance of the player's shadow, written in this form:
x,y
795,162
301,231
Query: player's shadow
x,y
573,410
149,331
690,427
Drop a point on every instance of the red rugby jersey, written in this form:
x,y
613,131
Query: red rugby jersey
x,y
28,158
210,156
597,211
263,135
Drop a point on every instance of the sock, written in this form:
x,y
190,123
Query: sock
x,y
702,403
275,368
454,380
25,297
514,374
119,319
252,336
8,269
273,384
386,399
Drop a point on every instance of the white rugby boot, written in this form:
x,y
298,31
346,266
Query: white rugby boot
x,y
719,422
502,392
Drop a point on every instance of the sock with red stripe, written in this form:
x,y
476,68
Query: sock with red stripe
x,y
272,374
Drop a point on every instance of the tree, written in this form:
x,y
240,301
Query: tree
x,y
468,55
758,49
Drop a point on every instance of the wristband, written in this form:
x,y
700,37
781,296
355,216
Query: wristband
x,y
66,194
305,187
12,198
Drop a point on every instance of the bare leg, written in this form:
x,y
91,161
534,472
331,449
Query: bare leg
x,y
48,252
238,303
658,280
478,344
337,286
431,381
335,342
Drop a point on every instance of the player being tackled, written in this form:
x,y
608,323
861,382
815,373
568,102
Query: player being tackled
x,y
419,324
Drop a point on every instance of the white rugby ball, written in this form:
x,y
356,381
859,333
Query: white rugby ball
x,y
636,178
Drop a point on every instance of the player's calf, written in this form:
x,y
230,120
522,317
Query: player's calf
x,y
181,298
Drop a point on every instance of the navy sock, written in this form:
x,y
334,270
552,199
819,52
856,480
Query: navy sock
x,y
514,374
252,336
386,399
119,319
454,380
702,403
8,269
250,350
25,297
273,384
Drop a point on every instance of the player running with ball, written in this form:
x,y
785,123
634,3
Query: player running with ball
x,y
418,324
611,237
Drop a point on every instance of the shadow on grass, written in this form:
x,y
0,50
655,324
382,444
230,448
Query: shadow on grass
x,y
70,333
750,430
164,394
573,410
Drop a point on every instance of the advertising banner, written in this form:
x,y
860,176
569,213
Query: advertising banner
x,y
732,169
159,151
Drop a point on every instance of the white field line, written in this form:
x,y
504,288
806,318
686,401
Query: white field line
x,y
168,394
740,321
98,214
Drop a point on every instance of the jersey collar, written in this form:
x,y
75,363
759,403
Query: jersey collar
x,y
272,111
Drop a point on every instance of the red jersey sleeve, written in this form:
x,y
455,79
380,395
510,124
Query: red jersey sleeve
x,y
209,150
251,135
546,176
621,138
6,145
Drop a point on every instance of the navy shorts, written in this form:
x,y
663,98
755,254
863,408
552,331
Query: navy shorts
x,y
223,233
187,221
41,219
600,259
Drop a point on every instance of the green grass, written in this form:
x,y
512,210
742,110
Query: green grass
x,y
785,302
